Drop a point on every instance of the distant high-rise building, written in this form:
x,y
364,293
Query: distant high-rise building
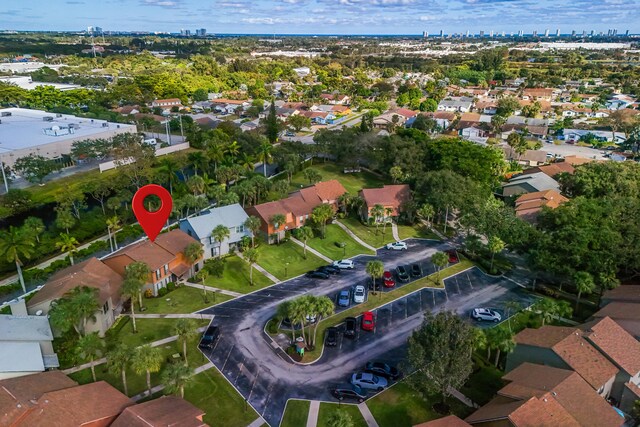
x,y
201,32
503,34
573,33
626,33
584,33
520,33
481,33
468,32
98,30
558,32
182,31
608,33
491,33
615,32
425,34
546,32
535,33
441,34
592,33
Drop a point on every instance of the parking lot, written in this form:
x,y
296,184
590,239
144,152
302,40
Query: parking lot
x,y
267,378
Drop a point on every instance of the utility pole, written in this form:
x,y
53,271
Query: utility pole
x,y
181,131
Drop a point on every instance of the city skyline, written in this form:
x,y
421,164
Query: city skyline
x,y
327,17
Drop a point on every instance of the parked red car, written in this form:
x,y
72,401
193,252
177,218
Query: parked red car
x,y
453,256
368,321
388,279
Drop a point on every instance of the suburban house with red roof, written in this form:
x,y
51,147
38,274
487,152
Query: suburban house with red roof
x,y
91,273
529,205
162,412
539,395
626,314
164,257
296,208
167,104
564,348
390,197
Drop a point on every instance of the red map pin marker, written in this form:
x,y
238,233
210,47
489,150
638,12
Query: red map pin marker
x,y
152,222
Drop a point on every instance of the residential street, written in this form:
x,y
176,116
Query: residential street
x,y
266,377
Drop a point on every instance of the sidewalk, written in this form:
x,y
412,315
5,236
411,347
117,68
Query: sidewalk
x,y
211,288
270,276
104,359
314,410
394,231
160,387
310,249
354,237
367,415
258,422
174,316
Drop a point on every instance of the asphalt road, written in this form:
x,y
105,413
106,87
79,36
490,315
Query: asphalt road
x,y
267,378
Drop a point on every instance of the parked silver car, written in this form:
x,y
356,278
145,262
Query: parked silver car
x,y
368,381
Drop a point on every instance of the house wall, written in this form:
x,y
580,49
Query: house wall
x,y
102,323
627,401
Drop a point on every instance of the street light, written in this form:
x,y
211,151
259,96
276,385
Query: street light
x,y
286,267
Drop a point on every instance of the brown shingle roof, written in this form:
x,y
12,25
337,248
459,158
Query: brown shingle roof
x,y
498,408
389,195
633,388
616,343
18,395
448,421
92,273
76,406
542,412
532,203
175,241
624,293
573,349
553,169
329,190
620,310
162,412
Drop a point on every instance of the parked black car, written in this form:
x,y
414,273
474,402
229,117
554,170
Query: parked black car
x,y
332,337
329,269
317,274
416,270
401,272
349,391
350,324
210,337
382,369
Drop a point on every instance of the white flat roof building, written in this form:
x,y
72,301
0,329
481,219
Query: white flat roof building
x,y
25,346
25,82
26,67
24,132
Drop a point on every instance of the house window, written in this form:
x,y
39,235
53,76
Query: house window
x,y
240,229
158,274
105,307
213,253
166,269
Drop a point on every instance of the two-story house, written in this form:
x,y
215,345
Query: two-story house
x,y
390,197
200,227
296,208
164,257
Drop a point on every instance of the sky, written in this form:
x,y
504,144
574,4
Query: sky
x,y
323,16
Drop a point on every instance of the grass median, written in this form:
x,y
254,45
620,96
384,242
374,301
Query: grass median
x,y
380,300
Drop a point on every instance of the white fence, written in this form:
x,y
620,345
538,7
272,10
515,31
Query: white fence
x,y
159,152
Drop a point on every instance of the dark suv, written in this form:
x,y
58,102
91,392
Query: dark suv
x,y
210,337
332,337
401,272
350,327
416,270
349,391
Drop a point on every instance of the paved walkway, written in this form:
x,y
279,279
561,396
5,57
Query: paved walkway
x,y
314,410
258,422
354,237
104,359
174,316
368,416
394,231
462,398
160,387
313,251
211,288
271,277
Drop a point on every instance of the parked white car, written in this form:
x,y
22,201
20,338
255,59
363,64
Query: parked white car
x,y
358,294
344,264
487,314
369,381
397,246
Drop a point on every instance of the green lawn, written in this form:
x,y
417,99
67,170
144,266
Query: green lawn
x,y
370,235
286,260
138,383
401,406
236,277
336,235
296,413
223,405
149,330
182,300
50,190
352,182
326,409
418,230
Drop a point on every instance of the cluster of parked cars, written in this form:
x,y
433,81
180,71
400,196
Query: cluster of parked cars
x,y
376,375
367,323
326,271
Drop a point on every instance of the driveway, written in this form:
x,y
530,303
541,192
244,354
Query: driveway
x,y
267,378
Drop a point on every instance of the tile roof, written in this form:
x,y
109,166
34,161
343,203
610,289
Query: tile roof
x,y
532,203
620,310
567,387
329,190
553,169
18,395
635,389
624,293
498,408
448,421
389,195
76,406
616,343
162,412
537,181
542,412
573,349
92,273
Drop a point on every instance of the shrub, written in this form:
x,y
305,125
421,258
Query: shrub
x,y
215,266
148,293
272,326
171,286
162,292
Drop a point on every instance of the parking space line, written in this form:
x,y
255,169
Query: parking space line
x,y
239,370
228,354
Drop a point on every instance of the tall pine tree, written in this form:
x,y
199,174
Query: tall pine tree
x,y
272,125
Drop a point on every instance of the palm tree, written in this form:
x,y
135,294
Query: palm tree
x,y
426,212
16,244
215,153
375,269
253,223
480,341
264,156
387,214
67,243
185,329
195,184
89,348
84,304
113,223
246,162
550,309
35,226
192,253
440,260
117,362
298,310
323,307
251,255
377,212
146,359
131,288
198,160
584,283
495,245
502,340
284,311
232,149
304,233
320,215
219,234
139,271
176,377
511,307
169,171
277,220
